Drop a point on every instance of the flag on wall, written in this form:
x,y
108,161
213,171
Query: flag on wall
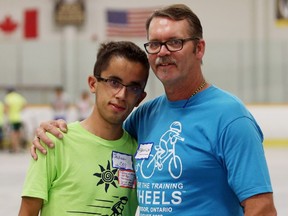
x,y
8,25
17,24
31,24
127,22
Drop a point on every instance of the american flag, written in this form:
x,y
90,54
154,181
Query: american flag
x,y
127,23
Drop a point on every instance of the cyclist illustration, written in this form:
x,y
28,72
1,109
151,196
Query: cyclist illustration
x,y
119,206
165,150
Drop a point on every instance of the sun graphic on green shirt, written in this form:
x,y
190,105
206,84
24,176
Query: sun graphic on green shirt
x,y
107,176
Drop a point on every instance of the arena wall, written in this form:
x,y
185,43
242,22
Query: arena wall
x,y
271,118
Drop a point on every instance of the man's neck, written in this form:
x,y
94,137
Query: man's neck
x,y
105,131
184,92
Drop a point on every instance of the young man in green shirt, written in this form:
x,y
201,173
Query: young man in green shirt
x,y
91,170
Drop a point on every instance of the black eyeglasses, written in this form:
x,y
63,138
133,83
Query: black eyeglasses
x,y
117,86
173,45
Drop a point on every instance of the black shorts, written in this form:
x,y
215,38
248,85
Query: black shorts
x,y
16,126
1,133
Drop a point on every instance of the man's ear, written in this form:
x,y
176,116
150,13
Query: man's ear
x,y
200,48
141,98
92,82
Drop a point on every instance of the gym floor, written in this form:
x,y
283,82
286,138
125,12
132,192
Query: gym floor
x,y
13,168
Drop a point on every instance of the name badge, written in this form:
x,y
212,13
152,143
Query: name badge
x,y
122,161
143,151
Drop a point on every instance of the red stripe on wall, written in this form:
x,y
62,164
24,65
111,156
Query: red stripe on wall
x,y
31,24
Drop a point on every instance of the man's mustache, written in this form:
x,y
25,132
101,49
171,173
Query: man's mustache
x,y
165,60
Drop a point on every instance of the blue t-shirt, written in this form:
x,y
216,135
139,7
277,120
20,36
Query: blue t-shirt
x,y
198,157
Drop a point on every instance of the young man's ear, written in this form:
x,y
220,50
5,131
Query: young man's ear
x,y
92,82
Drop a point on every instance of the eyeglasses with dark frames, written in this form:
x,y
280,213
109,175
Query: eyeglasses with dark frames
x,y
173,45
117,86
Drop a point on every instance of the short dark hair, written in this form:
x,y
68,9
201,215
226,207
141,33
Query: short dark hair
x,y
125,49
179,12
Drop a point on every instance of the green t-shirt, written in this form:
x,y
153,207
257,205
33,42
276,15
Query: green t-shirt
x,y
85,175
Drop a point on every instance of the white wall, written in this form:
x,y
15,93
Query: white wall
x,y
271,118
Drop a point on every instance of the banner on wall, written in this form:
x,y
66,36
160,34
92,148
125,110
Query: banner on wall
x,y
69,12
11,24
127,22
282,12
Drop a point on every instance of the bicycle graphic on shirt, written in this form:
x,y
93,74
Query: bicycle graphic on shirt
x,y
165,153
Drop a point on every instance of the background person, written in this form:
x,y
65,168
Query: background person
x,y
14,105
60,103
2,115
84,105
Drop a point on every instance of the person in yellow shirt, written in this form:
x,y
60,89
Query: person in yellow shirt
x,y
1,124
14,104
